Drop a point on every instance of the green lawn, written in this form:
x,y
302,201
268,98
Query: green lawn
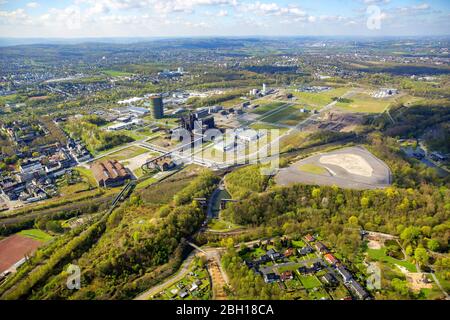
x,y
380,255
116,73
310,282
222,225
267,126
289,116
312,168
126,153
36,234
263,108
365,103
298,243
321,99
87,174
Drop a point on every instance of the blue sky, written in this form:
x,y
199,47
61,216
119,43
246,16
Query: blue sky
x,y
150,18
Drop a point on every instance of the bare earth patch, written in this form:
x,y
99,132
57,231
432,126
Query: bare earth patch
x,y
418,281
352,163
373,244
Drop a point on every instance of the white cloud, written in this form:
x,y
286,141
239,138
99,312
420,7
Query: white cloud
x,y
222,13
15,17
378,2
422,6
32,5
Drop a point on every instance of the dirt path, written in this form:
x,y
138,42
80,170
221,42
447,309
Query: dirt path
x,y
217,280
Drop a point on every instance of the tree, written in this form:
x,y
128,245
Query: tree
x,y
353,221
410,234
433,245
400,286
421,256
54,226
315,193
365,202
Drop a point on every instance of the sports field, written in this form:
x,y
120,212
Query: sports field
x,y
15,248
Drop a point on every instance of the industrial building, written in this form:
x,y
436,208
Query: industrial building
x,y
192,121
110,173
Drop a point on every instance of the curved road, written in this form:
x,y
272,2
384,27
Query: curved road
x,y
180,274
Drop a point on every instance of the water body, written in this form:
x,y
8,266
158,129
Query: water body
x,y
218,196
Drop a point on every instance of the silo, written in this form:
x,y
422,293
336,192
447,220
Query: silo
x,y
156,107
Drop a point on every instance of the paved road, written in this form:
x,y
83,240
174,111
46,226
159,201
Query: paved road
x,y
181,273
210,252
447,297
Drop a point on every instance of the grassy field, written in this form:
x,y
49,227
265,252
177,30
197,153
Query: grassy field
x,y
232,102
365,103
380,255
222,225
267,106
289,116
321,99
116,73
310,282
126,153
12,98
87,174
298,243
36,234
312,168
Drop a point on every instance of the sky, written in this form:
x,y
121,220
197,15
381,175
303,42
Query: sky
x,y
182,18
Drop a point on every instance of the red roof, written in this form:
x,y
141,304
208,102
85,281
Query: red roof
x,y
330,258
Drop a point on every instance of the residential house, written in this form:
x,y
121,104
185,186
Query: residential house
x,y
305,250
331,259
347,276
287,275
321,247
274,255
358,290
271,277
330,279
317,266
289,252
195,285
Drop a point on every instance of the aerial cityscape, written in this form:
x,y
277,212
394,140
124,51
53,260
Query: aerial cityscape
x,y
224,150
